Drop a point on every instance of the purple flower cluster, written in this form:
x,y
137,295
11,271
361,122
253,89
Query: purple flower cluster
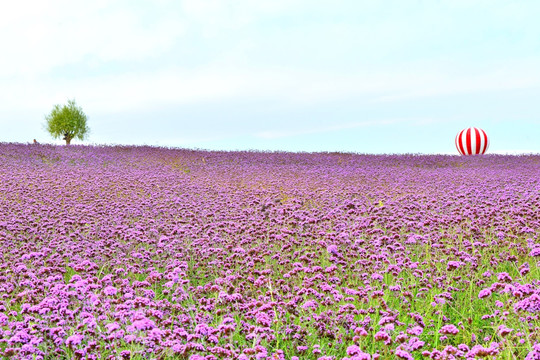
x,y
140,252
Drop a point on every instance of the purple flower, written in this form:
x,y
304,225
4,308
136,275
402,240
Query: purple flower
x,y
310,304
414,344
20,336
524,269
333,249
3,319
481,351
110,290
530,304
130,338
534,354
29,349
112,327
74,339
353,350
416,330
361,356
484,293
504,277
535,252
503,330
191,238
376,276
228,320
449,330
360,331
402,354
382,335
144,324
196,357
452,265
263,319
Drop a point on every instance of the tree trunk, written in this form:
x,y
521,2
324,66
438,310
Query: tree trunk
x,y
67,137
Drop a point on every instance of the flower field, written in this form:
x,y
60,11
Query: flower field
x,y
154,253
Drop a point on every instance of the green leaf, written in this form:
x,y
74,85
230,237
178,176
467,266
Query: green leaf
x,y
67,122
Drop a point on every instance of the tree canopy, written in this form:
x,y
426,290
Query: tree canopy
x,y
67,122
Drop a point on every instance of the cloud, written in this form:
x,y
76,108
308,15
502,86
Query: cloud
x,y
129,55
40,36
430,82
275,134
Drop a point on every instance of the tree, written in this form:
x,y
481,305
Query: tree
x,y
68,122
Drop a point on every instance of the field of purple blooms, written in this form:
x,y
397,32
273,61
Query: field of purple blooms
x,y
154,253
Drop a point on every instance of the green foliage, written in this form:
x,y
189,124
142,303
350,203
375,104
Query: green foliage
x,y
67,122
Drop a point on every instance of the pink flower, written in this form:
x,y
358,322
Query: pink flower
x,y
535,252
333,249
353,350
196,357
3,319
504,277
452,265
360,331
112,327
110,290
74,339
402,354
144,324
534,354
417,330
383,336
503,330
449,330
484,293
309,304
530,304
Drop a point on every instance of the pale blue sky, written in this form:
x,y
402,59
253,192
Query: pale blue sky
x,y
362,76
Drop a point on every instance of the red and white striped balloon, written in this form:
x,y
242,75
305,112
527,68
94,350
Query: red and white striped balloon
x,y
472,141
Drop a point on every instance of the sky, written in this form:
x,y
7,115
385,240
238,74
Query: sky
x,y
386,76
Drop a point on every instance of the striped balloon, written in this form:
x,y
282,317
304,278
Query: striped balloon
x,y
472,141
